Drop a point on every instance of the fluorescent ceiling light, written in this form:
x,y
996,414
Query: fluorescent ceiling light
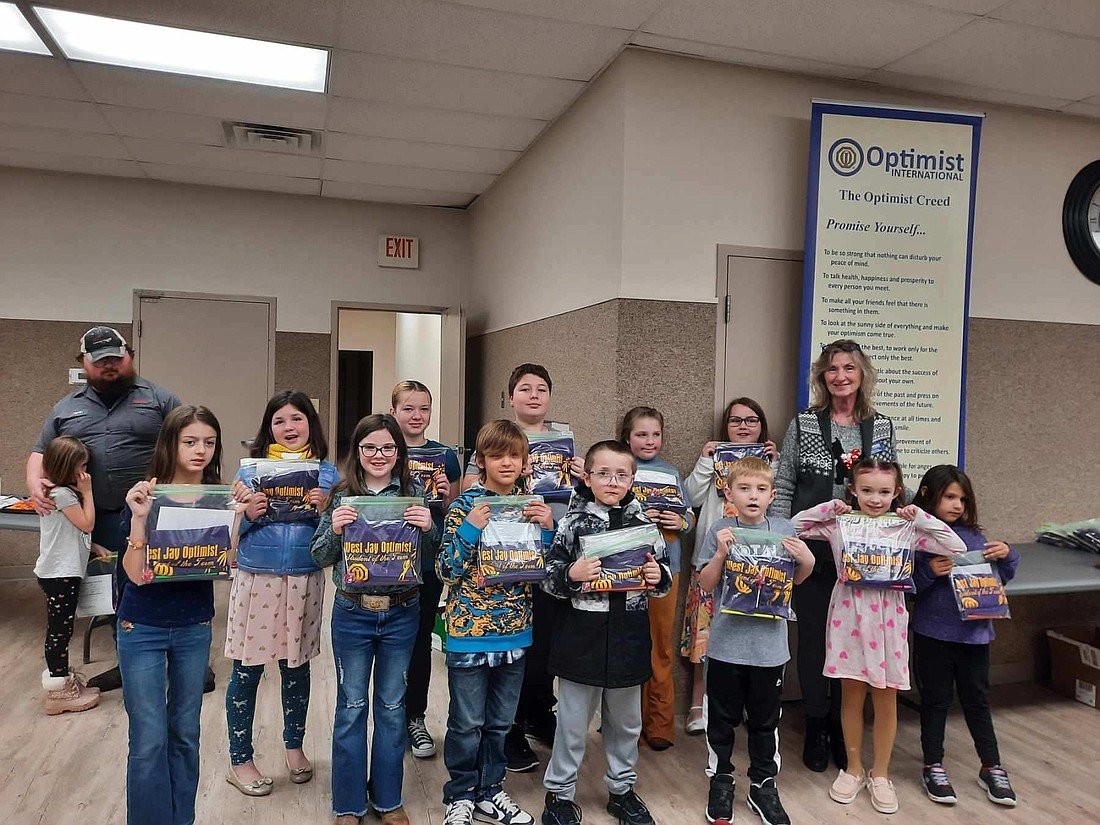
x,y
16,33
183,51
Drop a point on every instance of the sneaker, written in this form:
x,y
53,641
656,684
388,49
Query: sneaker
x,y
629,809
994,781
884,798
815,750
459,812
846,788
937,785
558,811
764,802
720,798
502,809
518,755
694,725
68,694
420,740
543,727
107,680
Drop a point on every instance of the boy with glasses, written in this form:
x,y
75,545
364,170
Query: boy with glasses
x,y
600,644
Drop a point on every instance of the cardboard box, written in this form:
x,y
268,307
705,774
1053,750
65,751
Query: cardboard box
x,y
1075,662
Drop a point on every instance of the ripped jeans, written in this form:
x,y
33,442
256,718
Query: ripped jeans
x,y
366,641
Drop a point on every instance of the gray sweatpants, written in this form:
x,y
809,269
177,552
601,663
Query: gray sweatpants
x,y
621,713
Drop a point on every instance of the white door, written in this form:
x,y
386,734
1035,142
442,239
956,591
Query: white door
x,y
214,351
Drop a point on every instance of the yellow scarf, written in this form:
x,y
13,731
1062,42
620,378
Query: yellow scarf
x,y
277,450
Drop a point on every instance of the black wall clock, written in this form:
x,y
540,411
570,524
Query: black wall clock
x,y
1081,221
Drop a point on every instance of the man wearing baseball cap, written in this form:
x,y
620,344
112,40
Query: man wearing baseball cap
x,y
117,415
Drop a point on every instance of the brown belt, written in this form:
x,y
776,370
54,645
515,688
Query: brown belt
x,y
380,603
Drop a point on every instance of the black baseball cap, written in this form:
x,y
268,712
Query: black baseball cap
x,y
102,342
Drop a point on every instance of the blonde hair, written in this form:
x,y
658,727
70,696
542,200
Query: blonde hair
x,y
750,465
819,393
407,386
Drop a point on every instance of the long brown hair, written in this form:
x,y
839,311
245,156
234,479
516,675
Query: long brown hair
x,y
935,484
62,458
163,466
868,465
299,401
819,392
633,416
724,429
353,476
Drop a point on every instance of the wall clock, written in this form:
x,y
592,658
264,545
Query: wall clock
x,y
1081,221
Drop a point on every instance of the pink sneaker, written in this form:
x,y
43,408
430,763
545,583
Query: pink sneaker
x,y
883,795
846,787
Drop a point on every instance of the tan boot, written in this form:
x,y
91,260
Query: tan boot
x,y
395,817
68,694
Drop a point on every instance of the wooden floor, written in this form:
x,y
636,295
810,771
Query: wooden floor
x,y
71,768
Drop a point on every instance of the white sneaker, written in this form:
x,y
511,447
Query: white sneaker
x,y
420,740
503,810
459,812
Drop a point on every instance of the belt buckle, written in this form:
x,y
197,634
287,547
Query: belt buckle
x,y
379,604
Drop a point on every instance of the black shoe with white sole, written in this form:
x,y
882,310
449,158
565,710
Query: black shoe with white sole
x,y
937,785
518,755
629,809
764,802
994,781
720,798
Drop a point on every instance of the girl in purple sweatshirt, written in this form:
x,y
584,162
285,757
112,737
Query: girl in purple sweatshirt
x,y
949,652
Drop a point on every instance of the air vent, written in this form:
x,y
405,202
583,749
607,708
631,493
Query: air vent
x,y
265,138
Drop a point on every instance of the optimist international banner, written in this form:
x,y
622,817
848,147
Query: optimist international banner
x,y
889,228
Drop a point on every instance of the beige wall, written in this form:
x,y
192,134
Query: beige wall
x,y
419,348
375,332
76,246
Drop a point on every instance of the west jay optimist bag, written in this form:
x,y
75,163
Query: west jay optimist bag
x,y
511,548
380,547
877,552
979,592
726,455
427,465
286,483
622,554
550,454
658,490
759,575
192,532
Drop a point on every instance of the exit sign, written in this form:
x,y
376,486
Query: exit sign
x,y
398,251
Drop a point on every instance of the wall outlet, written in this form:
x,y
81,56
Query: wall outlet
x,y
77,376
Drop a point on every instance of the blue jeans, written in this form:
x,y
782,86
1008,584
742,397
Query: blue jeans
x,y
363,640
163,669
240,706
483,705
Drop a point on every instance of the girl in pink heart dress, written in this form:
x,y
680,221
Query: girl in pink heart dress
x,y
867,637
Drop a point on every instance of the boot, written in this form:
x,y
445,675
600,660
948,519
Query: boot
x,y
67,693
836,743
815,751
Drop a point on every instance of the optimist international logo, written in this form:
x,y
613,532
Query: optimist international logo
x,y
846,157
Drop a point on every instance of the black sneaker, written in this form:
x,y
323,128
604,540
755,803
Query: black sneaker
x,y
994,781
420,740
517,753
937,785
543,727
558,811
107,680
764,802
720,798
629,809
836,743
815,751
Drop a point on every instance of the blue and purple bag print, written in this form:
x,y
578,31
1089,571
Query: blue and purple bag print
x,y
658,490
511,548
877,552
380,547
726,455
192,533
759,576
622,554
286,483
550,454
979,592
427,465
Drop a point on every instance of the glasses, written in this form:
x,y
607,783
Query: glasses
x,y
737,421
843,345
606,478
371,450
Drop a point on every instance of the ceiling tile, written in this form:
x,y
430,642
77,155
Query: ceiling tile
x,y
419,83
432,125
622,14
466,36
406,176
218,157
342,146
196,95
931,85
844,32
1073,16
69,163
148,123
36,74
61,141
1012,58
1084,109
237,180
50,111
307,22
393,194
746,57
967,6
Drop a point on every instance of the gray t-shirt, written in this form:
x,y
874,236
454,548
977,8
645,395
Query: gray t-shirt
x,y
744,640
62,546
